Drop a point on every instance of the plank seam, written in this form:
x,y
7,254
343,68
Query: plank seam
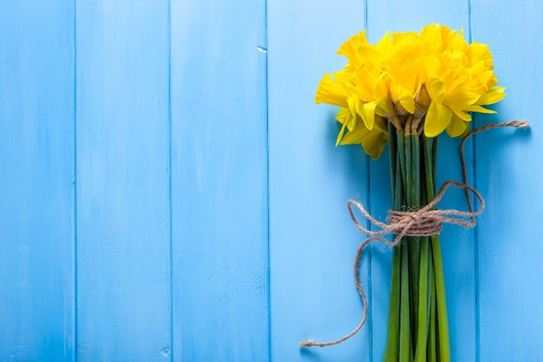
x,y
266,105
475,231
75,166
170,164
368,200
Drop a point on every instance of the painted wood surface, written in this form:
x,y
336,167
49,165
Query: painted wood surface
x,y
312,241
169,190
123,223
219,181
36,175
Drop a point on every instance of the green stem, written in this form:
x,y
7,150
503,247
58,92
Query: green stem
x,y
423,313
401,151
406,350
408,185
394,162
393,335
432,341
414,243
424,290
408,171
406,347
429,165
441,299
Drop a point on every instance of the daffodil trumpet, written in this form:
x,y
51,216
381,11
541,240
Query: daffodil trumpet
x,y
405,91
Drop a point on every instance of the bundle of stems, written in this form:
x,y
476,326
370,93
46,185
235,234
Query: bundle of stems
x,y
417,322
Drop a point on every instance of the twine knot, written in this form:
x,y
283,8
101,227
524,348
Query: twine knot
x,y
426,221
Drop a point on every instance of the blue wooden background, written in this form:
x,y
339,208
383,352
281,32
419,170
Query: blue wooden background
x,y
169,191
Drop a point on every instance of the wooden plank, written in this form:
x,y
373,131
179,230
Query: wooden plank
x,y
36,172
509,165
122,172
458,247
312,240
219,181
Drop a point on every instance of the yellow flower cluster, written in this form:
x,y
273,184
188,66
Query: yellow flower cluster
x,y
433,78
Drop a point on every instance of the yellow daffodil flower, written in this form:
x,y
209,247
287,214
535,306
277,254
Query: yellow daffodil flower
x,y
434,74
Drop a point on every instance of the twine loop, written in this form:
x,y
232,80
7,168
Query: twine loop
x,y
426,221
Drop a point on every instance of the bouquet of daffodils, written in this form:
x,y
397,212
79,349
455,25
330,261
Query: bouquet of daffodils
x,y
405,91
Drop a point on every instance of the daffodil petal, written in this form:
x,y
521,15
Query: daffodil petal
x,y
436,90
460,97
367,113
408,103
374,143
343,115
354,108
341,133
437,119
356,136
476,108
461,114
494,95
456,127
330,91
349,49
384,108
380,123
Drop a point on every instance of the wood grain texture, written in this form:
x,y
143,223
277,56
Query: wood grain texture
x,y
36,172
312,240
122,180
509,167
219,181
458,248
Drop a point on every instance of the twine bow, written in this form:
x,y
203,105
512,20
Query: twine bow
x,y
426,221
423,222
